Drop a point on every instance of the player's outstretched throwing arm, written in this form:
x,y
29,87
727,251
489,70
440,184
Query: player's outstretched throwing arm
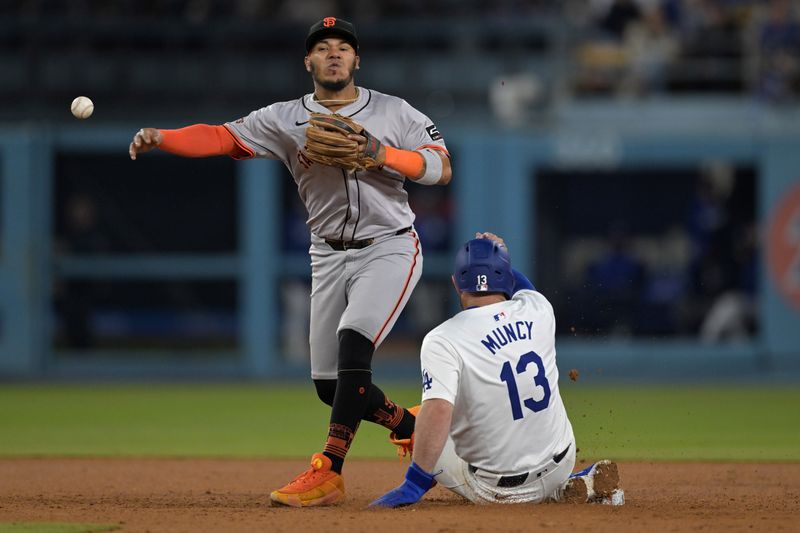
x,y
340,141
198,140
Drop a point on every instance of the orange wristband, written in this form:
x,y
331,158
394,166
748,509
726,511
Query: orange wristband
x,y
406,162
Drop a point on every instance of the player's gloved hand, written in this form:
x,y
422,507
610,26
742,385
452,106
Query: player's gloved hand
x,y
340,141
417,483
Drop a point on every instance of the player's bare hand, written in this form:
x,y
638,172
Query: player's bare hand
x,y
360,139
362,146
145,140
491,237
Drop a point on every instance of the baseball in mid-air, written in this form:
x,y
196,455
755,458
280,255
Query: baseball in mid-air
x,y
82,107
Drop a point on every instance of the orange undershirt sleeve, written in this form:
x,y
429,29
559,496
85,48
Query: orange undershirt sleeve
x,y
405,162
203,140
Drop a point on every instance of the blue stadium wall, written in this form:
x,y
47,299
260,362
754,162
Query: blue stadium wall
x,y
493,188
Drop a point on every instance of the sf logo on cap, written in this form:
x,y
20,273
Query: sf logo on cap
x,y
329,21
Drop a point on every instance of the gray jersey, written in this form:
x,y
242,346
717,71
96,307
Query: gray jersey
x,y
343,205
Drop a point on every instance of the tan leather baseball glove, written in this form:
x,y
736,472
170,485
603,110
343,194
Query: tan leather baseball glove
x,y
327,143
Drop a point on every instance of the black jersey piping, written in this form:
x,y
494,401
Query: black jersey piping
x,y
358,188
369,99
344,173
347,215
303,103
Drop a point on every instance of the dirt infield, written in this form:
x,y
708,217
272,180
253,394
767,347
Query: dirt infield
x,y
174,495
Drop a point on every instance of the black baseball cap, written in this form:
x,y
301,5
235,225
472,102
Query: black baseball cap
x,y
332,26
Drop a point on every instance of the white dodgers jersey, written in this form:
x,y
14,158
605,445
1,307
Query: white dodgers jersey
x,y
497,365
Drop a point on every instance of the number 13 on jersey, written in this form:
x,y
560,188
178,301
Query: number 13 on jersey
x,y
540,379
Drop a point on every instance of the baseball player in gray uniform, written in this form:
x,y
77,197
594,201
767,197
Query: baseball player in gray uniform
x,y
493,427
366,256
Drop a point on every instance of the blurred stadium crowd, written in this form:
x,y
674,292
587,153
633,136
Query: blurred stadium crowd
x,y
692,46
651,252
224,57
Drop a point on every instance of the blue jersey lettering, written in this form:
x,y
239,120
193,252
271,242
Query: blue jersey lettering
x,y
499,337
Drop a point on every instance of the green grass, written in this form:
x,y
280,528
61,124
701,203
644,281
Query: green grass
x,y
687,423
53,527
664,423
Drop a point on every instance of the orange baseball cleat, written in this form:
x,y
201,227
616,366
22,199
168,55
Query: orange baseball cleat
x,y
405,446
319,485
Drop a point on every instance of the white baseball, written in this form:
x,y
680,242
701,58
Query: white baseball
x,y
82,107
